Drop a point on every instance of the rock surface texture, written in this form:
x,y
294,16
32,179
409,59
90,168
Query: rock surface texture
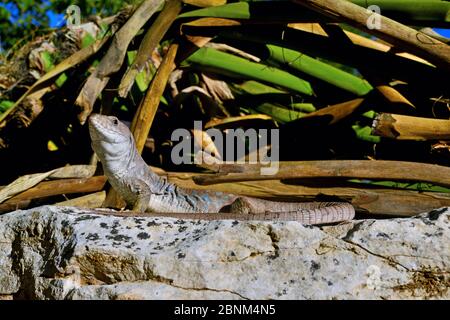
x,y
71,253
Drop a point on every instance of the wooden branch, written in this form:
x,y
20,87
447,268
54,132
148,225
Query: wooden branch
x,y
147,109
401,127
8,207
361,169
28,181
57,187
391,31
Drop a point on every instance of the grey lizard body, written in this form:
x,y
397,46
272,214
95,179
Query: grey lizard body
x,y
143,190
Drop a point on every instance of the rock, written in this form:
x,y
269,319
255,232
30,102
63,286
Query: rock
x,y
71,253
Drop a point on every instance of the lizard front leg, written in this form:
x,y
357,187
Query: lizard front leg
x,y
143,194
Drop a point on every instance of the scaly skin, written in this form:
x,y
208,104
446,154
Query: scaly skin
x,y
143,190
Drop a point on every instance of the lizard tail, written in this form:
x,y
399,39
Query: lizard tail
x,y
303,212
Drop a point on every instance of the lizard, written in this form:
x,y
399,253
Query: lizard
x,y
145,191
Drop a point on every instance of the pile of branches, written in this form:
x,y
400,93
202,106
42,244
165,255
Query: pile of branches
x,y
346,87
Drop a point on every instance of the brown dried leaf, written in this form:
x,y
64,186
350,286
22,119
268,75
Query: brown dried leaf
x,y
205,3
205,142
22,183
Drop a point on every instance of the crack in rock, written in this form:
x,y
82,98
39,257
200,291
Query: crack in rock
x,y
274,238
389,260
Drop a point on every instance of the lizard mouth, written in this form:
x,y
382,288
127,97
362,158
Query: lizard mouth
x,y
102,131
97,120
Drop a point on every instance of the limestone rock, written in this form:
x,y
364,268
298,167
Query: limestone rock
x,y
72,253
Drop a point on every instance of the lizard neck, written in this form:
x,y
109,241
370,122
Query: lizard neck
x,y
122,164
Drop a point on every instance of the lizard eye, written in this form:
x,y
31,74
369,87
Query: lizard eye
x,y
116,122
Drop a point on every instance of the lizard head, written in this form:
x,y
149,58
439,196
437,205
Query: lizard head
x,y
110,137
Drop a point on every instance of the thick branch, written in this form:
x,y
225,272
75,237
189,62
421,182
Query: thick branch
x,y
53,188
401,127
360,169
147,109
